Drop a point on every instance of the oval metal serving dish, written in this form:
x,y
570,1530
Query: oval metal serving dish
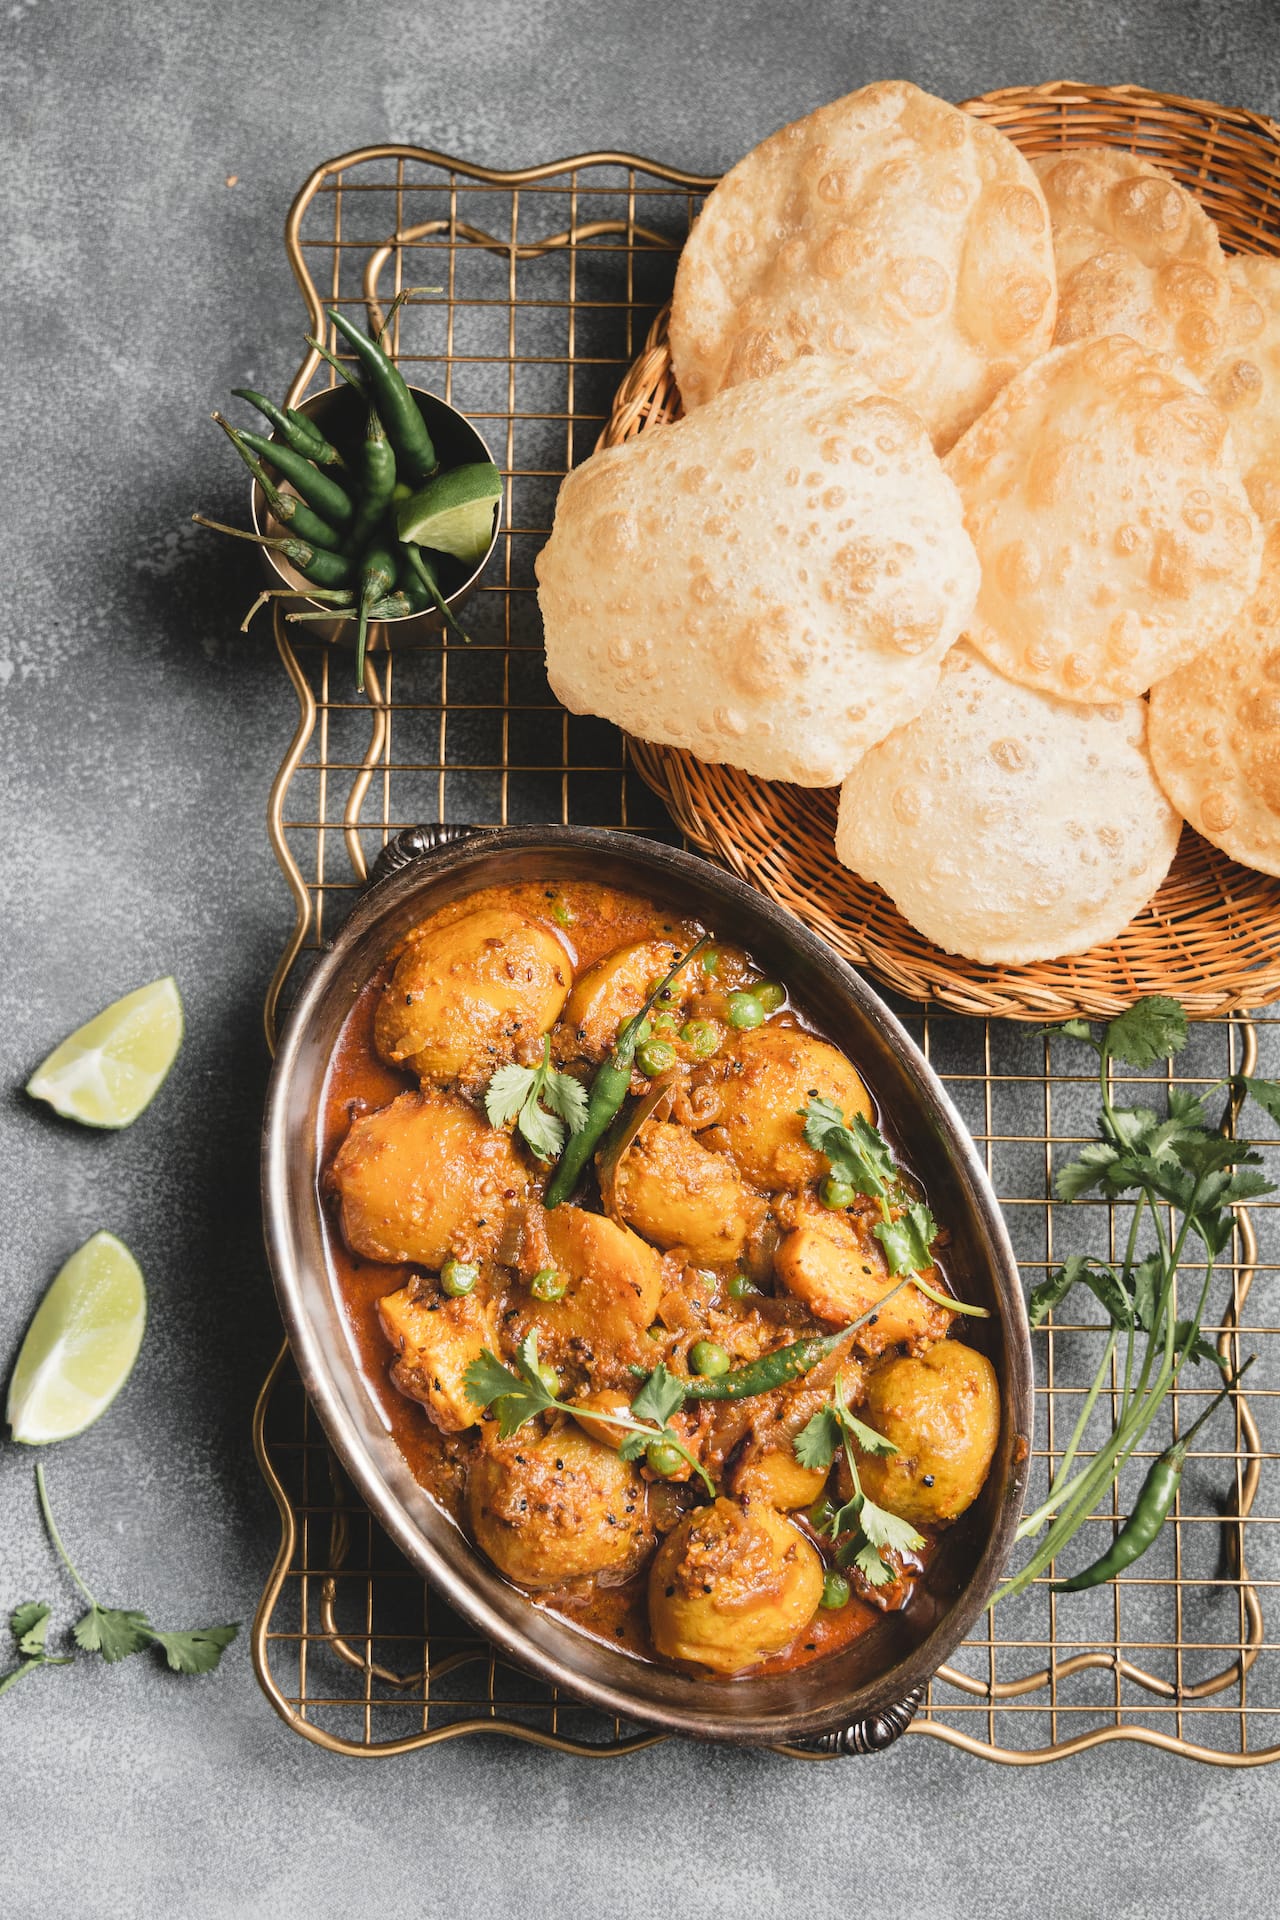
x,y
853,1690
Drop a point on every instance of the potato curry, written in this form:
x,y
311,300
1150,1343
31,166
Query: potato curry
x,y
645,1298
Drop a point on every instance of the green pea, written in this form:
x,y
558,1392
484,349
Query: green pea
x,y
655,1056
655,1332
835,1591
769,994
561,914
663,1458
549,1378
666,1024
821,1514
457,1278
644,1031
741,1287
709,1358
711,961
548,1284
745,1011
702,1037
837,1193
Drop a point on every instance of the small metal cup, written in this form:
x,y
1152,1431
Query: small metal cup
x,y
341,415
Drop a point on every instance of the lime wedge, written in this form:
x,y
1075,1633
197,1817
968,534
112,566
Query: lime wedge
x,y
454,512
81,1345
113,1066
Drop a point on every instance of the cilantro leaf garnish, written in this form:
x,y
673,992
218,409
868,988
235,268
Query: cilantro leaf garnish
x,y
815,1444
514,1093
114,1632
517,1397
908,1239
29,1625
874,1529
660,1396
198,1651
1151,1029
858,1152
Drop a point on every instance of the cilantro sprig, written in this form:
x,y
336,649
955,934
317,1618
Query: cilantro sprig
x,y
114,1632
542,1101
875,1530
1186,1177
860,1158
520,1393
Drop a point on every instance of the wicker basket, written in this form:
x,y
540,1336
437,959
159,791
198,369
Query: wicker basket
x,y
1211,936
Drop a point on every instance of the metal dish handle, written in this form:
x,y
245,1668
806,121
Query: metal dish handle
x,y
878,1730
870,1735
415,843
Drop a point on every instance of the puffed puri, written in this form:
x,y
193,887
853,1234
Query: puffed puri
x,y
771,583
1215,731
1103,495
888,226
1008,825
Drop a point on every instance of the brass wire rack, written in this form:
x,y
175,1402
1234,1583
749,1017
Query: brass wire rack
x,y
550,278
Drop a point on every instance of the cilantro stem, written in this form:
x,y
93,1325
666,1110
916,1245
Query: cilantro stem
x,y
29,1666
948,1300
55,1536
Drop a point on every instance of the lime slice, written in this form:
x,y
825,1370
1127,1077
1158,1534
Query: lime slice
x,y
113,1067
81,1345
454,512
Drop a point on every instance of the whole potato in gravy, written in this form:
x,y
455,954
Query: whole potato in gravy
x,y
772,1074
424,1178
614,990
676,1193
550,1508
731,1584
942,1411
465,996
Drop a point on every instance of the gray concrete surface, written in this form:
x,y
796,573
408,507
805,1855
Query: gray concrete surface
x,y
138,733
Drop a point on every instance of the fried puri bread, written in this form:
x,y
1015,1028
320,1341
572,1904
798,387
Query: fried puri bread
x,y
890,228
1245,381
1102,493
1008,825
1135,254
772,582
1215,731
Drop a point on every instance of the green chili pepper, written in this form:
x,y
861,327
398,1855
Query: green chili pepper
x,y
315,563
377,478
784,1363
297,431
287,508
1151,1508
404,423
424,573
349,373
607,1093
771,1370
377,578
317,489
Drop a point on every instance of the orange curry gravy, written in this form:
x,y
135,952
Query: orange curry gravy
x,y
590,922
